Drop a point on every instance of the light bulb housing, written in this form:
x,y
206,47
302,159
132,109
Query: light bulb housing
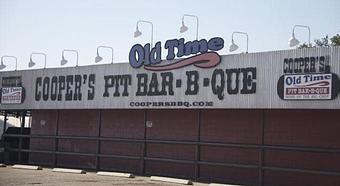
x,y
98,59
137,33
63,61
183,28
232,46
31,63
293,41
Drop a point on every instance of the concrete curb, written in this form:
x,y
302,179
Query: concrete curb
x,y
28,167
117,174
75,171
171,180
219,184
2,165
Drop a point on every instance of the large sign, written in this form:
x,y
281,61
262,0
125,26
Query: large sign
x,y
65,88
308,78
150,57
304,78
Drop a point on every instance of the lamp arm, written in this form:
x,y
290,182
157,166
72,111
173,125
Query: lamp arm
x,y
16,61
77,57
40,53
197,22
75,51
303,26
244,33
149,22
108,48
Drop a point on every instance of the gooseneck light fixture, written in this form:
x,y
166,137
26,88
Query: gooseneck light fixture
x,y
2,65
233,46
32,63
139,33
99,58
184,28
64,61
293,41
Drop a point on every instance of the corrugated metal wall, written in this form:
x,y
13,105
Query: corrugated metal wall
x,y
269,68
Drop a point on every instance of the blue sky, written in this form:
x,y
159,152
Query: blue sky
x,y
47,26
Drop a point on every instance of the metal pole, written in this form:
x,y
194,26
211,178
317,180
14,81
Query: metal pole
x,y
40,53
75,51
16,60
244,33
108,48
303,26
149,22
6,157
5,123
20,138
188,15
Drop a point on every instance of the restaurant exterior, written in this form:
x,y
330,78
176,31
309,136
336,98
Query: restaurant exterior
x,y
268,118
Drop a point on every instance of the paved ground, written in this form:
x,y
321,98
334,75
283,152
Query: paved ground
x,y
19,177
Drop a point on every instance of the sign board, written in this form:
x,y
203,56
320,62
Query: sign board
x,y
307,86
11,95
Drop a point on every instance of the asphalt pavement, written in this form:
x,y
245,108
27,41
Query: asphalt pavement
x,y
19,177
